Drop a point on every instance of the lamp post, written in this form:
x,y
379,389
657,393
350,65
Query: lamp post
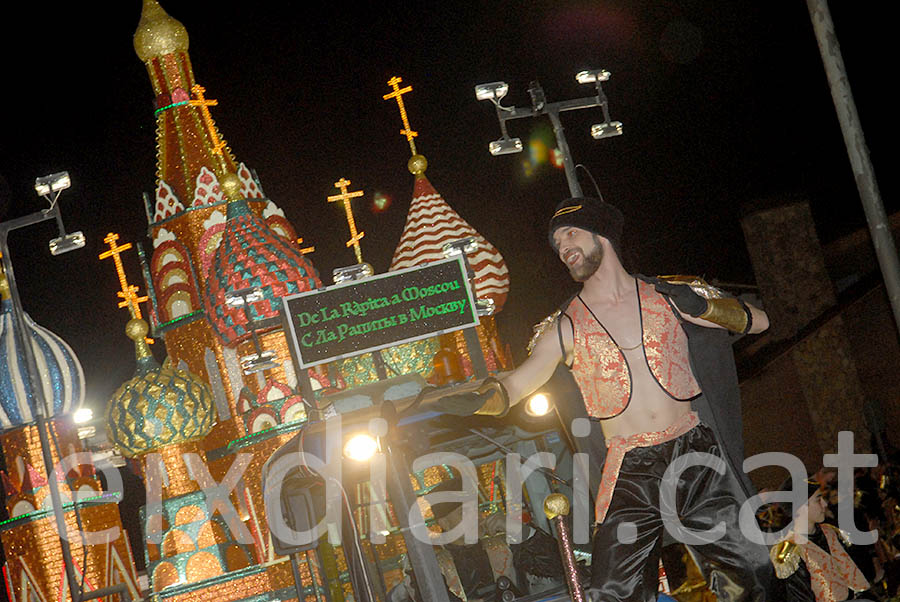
x,y
495,91
49,187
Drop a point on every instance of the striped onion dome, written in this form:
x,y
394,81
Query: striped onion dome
x,y
252,255
431,223
159,405
62,378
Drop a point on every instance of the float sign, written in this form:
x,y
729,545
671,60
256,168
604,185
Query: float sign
x,y
381,311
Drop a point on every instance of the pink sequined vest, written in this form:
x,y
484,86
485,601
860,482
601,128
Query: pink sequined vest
x,y
603,373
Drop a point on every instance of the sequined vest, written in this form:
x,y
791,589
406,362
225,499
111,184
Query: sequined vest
x,y
601,369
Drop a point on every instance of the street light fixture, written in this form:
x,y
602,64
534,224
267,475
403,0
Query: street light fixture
x,y
50,187
539,106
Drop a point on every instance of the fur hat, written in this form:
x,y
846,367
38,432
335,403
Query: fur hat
x,y
593,215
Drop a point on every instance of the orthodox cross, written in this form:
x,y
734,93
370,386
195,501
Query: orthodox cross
x,y
128,294
304,250
398,93
204,105
345,196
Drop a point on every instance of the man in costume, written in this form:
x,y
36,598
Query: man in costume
x,y
653,361
815,561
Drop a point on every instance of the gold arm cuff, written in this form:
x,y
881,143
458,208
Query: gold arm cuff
x,y
727,312
498,403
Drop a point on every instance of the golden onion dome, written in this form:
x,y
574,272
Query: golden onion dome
x,y
159,405
158,34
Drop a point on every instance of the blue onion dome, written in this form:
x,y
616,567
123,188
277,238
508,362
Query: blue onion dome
x,y
159,405
61,376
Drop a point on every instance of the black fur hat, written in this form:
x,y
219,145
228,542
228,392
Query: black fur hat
x,y
593,215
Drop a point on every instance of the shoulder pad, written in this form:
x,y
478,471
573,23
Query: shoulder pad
x,y
541,327
698,284
785,557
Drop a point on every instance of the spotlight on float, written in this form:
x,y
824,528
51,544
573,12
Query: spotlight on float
x,y
493,91
505,146
261,360
592,76
50,187
537,405
82,415
360,447
53,184
350,273
463,246
606,130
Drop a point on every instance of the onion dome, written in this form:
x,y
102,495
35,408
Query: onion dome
x,y
158,34
159,405
62,379
431,223
252,255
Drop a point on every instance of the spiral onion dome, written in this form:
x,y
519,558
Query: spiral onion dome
x,y
431,223
251,255
158,406
62,379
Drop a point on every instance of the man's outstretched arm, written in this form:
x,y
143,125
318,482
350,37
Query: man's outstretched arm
x,y
494,397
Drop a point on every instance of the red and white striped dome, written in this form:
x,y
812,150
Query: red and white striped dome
x,y
431,223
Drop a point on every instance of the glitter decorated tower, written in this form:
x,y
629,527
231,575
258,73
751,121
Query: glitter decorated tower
x,y
431,223
183,423
34,568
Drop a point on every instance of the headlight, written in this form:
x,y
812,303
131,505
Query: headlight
x,y
537,405
360,447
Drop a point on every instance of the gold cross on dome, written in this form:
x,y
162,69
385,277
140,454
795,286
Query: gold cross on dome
x,y
398,93
345,196
204,105
129,292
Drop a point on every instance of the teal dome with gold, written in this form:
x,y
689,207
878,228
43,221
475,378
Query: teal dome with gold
x,y
159,405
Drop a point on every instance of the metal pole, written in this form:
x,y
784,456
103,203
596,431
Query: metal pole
x,y
571,176
41,409
855,142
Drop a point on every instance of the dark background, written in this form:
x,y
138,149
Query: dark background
x,y
725,105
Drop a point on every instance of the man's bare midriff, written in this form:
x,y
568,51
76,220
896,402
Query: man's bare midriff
x,y
651,409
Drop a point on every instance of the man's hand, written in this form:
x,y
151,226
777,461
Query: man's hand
x,y
684,298
490,399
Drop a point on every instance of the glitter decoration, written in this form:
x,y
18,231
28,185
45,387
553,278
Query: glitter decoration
x,y
431,223
60,374
251,255
345,197
556,508
158,405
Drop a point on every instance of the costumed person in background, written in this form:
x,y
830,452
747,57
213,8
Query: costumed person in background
x,y
653,361
815,560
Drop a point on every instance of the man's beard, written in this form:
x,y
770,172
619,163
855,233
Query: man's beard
x,y
589,265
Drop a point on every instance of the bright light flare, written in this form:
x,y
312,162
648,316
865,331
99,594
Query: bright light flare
x,y
83,415
538,405
360,447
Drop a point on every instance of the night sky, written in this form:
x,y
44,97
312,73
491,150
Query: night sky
x,y
724,105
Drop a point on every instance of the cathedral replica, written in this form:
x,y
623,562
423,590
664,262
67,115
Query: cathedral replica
x,y
199,426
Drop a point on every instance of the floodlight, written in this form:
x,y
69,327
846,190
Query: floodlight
x,y
241,296
505,146
55,182
360,447
258,362
67,243
591,76
606,130
353,272
537,405
485,306
493,91
82,415
466,245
